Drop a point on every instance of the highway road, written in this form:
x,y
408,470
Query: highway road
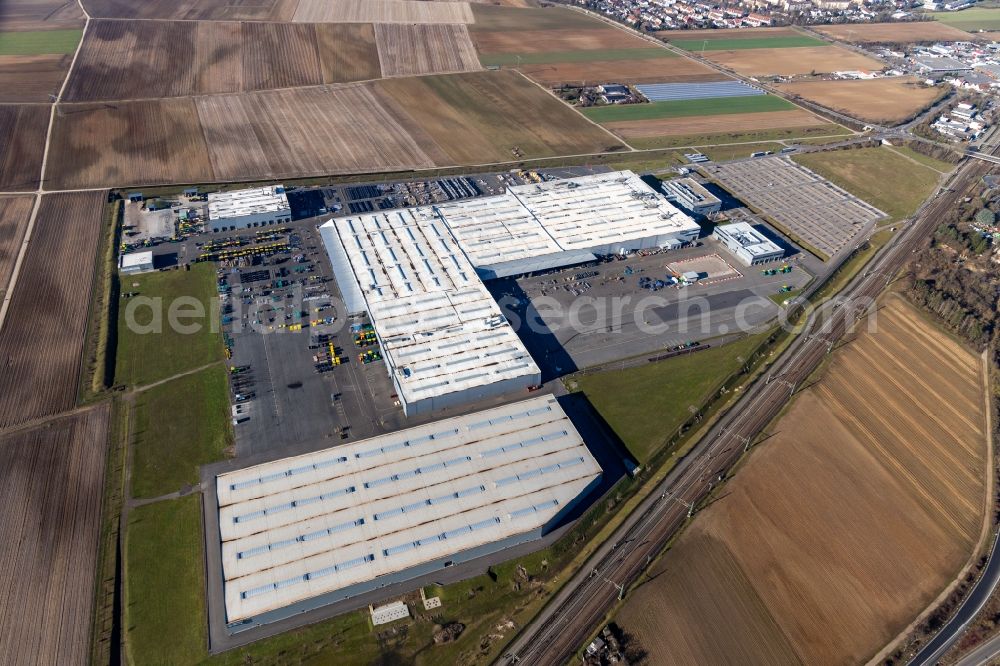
x,y
576,611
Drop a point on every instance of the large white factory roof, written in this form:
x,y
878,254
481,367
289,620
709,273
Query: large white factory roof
x,y
441,330
238,203
300,527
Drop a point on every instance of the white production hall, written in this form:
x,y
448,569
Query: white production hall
x,y
351,518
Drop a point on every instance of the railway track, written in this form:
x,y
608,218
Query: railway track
x,y
585,601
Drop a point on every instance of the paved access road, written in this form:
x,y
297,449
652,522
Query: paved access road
x,y
575,612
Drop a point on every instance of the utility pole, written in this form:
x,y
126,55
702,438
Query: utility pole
x,y
620,588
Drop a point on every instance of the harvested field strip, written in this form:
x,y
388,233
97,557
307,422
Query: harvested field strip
x,y
525,43
39,42
688,107
727,33
142,59
27,15
893,33
791,61
971,20
306,131
847,522
712,124
654,70
194,10
606,55
50,515
22,139
492,117
130,143
888,100
790,41
382,11
42,337
492,18
14,214
31,78
408,50
347,52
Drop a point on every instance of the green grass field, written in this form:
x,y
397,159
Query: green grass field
x,y
736,136
687,107
164,609
789,41
880,176
144,357
180,425
603,55
971,20
723,153
934,163
646,405
39,42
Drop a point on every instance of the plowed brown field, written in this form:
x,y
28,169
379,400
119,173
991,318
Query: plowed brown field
x,y
382,11
727,33
493,117
22,140
408,50
545,41
128,143
637,129
40,15
895,33
41,341
652,70
792,61
845,524
31,78
890,100
51,484
151,59
203,10
14,214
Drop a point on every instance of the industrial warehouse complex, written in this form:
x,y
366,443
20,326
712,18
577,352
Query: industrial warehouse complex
x,y
357,517
749,245
245,209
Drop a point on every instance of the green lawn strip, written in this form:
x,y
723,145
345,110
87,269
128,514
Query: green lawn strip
x,y
180,425
144,357
39,42
789,41
781,297
971,20
601,55
936,164
885,179
736,136
687,107
164,609
646,405
724,153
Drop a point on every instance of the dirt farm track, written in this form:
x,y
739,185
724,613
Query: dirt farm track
x,y
51,484
842,526
48,310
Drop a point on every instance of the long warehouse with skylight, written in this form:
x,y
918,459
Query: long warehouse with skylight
x,y
346,520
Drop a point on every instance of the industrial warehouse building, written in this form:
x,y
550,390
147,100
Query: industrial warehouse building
x,y
444,339
692,196
245,209
306,531
136,262
749,245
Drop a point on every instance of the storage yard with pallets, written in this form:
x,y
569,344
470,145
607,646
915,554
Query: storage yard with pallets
x,y
147,59
43,333
893,33
809,208
52,487
793,61
888,100
407,50
22,138
844,524
382,11
14,214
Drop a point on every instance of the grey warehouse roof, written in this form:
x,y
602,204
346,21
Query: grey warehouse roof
x,y
299,527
